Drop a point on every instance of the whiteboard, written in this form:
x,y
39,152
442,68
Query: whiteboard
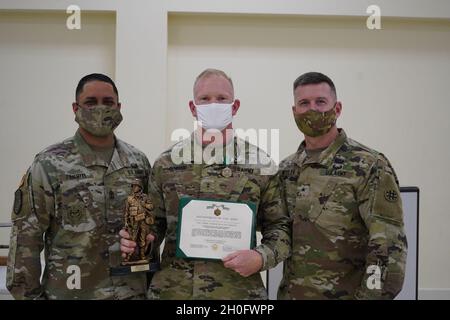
x,y
410,199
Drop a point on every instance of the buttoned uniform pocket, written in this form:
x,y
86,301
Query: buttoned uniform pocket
x,y
327,201
339,208
78,238
311,196
82,207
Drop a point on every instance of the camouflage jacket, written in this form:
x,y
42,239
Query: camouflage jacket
x,y
348,240
70,203
181,278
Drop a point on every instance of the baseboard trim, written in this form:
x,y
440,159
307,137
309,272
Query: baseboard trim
x,y
434,294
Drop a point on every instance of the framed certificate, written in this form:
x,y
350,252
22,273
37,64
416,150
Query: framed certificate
x,y
211,229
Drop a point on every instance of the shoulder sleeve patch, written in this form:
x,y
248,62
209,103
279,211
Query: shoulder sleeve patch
x,y
17,201
19,195
391,195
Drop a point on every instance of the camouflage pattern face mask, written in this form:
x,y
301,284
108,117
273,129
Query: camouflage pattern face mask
x,y
99,120
314,123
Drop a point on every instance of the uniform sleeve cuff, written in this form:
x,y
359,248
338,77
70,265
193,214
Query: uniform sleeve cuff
x,y
263,254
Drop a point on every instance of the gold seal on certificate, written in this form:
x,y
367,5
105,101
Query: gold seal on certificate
x,y
210,229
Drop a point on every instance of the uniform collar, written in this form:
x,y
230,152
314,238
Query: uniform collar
x,y
122,156
193,145
327,156
244,153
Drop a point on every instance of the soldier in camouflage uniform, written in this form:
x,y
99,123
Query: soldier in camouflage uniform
x,y
234,177
70,203
348,239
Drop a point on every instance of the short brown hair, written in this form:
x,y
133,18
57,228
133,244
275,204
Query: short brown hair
x,y
314,78
216,72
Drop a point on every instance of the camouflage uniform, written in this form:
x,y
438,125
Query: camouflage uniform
x,y
71,204
347,216
181,278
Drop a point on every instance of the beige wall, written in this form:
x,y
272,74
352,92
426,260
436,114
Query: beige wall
x,y
391,81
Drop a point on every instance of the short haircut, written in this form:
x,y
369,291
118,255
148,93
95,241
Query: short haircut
x,y
314,78
94,77
209,72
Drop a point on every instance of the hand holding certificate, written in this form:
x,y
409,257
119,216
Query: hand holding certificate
x,y
210,229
